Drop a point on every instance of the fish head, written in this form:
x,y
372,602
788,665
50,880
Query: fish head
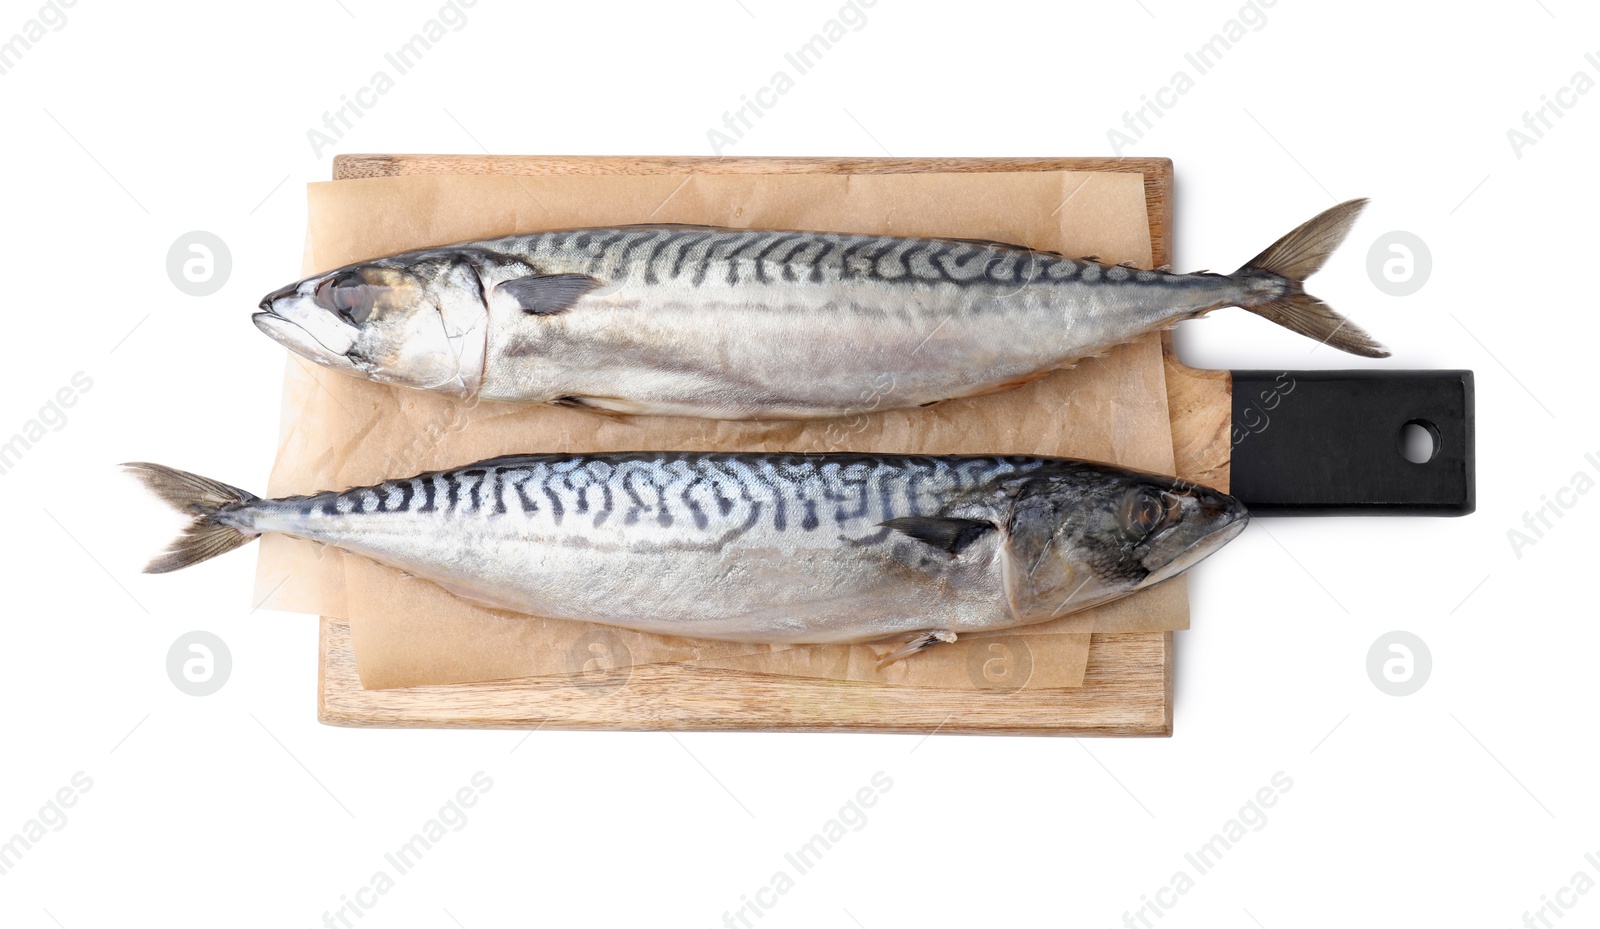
x,y
1087,534
417,320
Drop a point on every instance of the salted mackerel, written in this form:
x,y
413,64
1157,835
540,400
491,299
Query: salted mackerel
x,y
747,324
777,548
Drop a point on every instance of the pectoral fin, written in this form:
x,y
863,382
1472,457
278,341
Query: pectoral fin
x,y
942,532
548,294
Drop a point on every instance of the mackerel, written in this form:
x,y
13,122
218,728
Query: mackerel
x,y
747,324
774,548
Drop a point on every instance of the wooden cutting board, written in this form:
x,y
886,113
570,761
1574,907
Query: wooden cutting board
x,y
1127,688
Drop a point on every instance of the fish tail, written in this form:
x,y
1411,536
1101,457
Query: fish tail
x,y
207,501
1275,282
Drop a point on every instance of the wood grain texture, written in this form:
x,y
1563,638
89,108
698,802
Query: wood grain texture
x,y
1127,688
1126,691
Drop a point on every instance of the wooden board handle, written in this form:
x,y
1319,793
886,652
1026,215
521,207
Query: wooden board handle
x,y
1321,443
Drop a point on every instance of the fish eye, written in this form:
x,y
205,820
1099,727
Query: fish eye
x,y
348,295
1144,511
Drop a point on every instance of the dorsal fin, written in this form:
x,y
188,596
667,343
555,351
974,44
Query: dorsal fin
x,y
981,243
679,226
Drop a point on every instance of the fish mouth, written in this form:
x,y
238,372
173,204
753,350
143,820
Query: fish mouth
x,y
1227,519
271,299
298,339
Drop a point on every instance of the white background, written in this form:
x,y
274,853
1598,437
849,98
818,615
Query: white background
x,y
1466,804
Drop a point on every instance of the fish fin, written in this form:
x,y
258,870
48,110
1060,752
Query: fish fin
x,y
677,226
942,532
204,499
548,294
1292,259
916,643
990,243
1003,386
609,407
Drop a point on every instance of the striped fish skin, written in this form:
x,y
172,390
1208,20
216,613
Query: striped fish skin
x,y
800,326
747,324
764,548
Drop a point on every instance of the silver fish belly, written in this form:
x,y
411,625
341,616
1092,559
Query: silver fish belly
x,y
743,324
774,325
749,547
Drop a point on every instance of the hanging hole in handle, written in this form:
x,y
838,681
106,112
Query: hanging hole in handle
x,y
1419,441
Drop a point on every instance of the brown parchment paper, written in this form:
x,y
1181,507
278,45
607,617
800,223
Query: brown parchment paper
x,y
339,431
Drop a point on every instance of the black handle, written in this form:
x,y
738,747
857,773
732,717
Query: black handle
x,y
1319,443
